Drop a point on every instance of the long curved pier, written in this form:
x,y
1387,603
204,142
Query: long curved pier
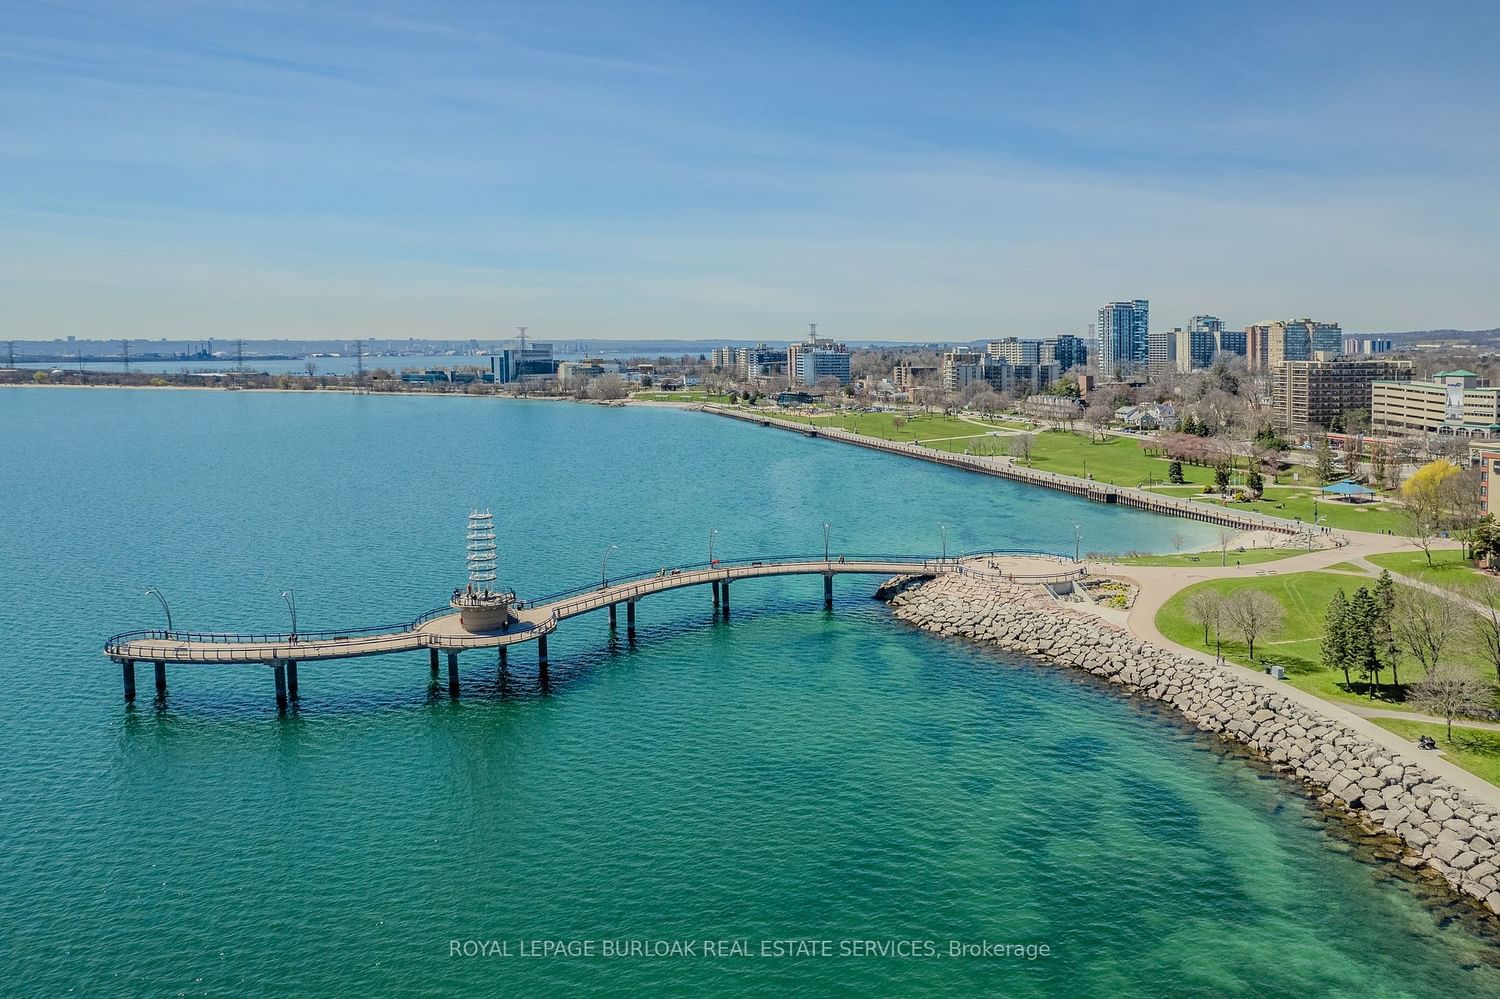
x,y
441,630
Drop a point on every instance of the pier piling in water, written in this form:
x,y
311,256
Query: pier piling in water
x,y
630,619
724,596
716,594
453,674
128,668
161,679
434,659
278,670
291,679
828,591
612,609
541,651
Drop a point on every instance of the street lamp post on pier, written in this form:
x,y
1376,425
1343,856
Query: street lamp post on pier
x,y
604,566
943,529
825,542
291,605
152,591
714,533
1077,534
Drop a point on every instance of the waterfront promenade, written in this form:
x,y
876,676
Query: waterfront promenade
x,y
442,631
1005,468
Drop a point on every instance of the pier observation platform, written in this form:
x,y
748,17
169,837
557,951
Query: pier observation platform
x,y
442,630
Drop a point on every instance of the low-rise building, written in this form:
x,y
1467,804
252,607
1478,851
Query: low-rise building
x,y
1485,458
1311,395
1455,403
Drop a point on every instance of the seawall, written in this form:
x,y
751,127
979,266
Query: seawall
x,y
1098,492
1441,826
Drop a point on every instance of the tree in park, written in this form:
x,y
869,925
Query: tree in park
x,y
1335,650
1221,480
1206,607
1450,692
1484,625
1428,499
1255,483
1323,463
1385,636
1174,473
1424,624
1363,619
1021,446
1254,614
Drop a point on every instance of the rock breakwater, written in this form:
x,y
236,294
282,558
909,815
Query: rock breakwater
x,y
1441,826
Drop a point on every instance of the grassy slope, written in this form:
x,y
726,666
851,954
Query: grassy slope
x,y
1476,750
1449,569
1297,645
1251,556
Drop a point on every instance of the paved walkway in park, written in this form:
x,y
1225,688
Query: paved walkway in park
x,y
1158,584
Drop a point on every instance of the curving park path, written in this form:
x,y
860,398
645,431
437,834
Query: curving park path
x,y
441,630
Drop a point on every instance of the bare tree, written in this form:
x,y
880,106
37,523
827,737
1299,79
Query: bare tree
x,y
1451,692
1484,625
1178,541
1226,537
1021,445
609,386
1254,614
1098,418
1424,624
1206,607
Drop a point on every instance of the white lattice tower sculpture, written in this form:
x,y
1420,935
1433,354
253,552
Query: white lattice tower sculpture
x,y
481,559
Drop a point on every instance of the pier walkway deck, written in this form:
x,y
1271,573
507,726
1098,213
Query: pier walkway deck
x,y
441,630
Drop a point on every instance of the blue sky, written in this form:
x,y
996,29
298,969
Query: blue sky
x,y
888,170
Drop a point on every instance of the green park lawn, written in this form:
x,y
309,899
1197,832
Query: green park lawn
x,y
1449,568
1345,567
679,397
1117,460
1296,503
1477,750
1304,597
884,425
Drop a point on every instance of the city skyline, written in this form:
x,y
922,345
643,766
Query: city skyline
x,y
278,170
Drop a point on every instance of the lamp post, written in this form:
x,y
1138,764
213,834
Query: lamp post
x,y
154,592
711,535
825,542
604,566
943,529
1077,534
291,605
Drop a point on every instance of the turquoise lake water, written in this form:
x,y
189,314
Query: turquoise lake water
x,y
788,774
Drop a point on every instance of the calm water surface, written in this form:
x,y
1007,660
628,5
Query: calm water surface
x,y
789,774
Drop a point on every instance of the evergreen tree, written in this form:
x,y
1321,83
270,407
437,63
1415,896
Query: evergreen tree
x,y
1323,460
1221,480
1335,653
1336,425
1363,617
1255,483
1174,473
1385,636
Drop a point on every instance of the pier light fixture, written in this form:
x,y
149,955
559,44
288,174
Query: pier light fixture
x,y
604,566
714,533
943,530
152,591
291,605
1077,534
825,542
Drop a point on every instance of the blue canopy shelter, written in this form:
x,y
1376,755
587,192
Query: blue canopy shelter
x,y
1351,492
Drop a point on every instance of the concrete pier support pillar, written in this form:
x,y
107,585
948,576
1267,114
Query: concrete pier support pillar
x,y
724,596
278,670
161,679
541,651
613,608
128,669
504,656
453,674
291,679
828,591
434,657
716,594
630,618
